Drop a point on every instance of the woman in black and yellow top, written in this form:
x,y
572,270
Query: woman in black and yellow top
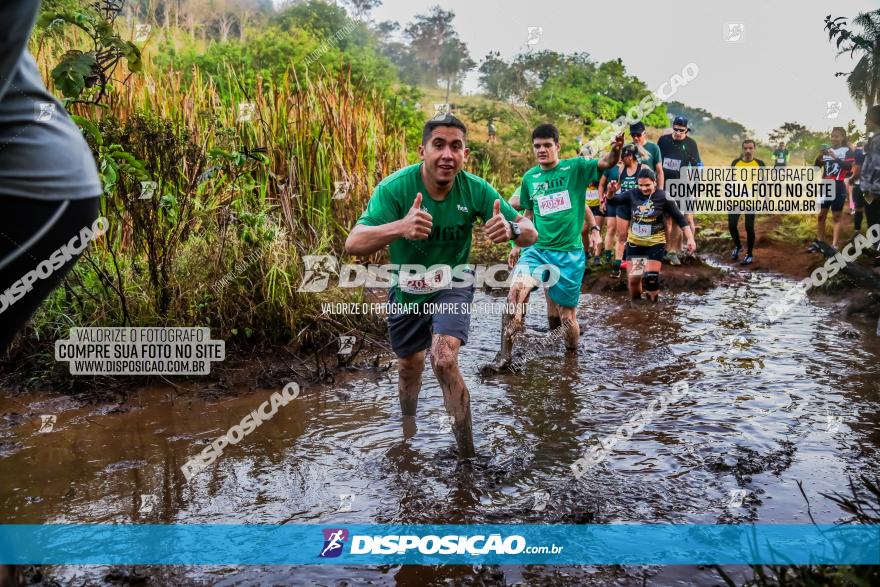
x,y
642,212
747,159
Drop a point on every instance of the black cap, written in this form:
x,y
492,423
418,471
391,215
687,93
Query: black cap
x,y
681,121
637,127
630,150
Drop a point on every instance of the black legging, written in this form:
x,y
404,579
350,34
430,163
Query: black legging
x,y
20,220
872,211
733,226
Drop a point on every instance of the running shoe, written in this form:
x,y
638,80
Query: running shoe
x,y
615,273
813,248
747,261
607,257
673,259
597,261
735,254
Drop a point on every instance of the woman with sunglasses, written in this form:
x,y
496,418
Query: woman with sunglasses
x,y
624,175
649,153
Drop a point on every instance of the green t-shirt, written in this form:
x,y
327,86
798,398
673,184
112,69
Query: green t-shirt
x,y
780,157
556,197
452,220
654,155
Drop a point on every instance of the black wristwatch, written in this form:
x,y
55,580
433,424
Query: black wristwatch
x,y
596,228
514,229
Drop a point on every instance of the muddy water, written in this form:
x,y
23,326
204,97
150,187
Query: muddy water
x,y
798,401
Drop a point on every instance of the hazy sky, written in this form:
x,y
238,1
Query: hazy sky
x,y
781,70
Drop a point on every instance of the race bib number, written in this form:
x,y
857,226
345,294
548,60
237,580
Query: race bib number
x,y
425,283
780,160
672,164
642,230
552,203
637,266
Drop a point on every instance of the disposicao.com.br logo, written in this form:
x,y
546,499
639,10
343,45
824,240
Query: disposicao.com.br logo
x,y
322,270
452,544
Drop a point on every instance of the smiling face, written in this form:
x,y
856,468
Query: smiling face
x,y
444,154
546,152
838,137
647,186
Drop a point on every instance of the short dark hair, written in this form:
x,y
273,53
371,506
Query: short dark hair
x,y
630,149
546,131
747,141
647,173
442,120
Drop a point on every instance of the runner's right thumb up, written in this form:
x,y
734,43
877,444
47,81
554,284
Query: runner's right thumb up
x,y
496,208
417,204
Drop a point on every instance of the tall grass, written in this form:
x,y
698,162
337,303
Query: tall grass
x,y
229,190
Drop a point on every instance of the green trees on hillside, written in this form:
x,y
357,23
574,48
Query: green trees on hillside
x,y
430,51
570,86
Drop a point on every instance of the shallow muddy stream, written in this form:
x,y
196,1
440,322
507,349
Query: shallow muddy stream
x,y
794,402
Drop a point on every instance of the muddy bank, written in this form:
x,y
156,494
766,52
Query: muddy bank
x,y
693,275
778,251
245,367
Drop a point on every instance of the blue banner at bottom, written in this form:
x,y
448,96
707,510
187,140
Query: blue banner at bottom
x,y
373,544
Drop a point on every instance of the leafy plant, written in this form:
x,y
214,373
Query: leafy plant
x,y
90,72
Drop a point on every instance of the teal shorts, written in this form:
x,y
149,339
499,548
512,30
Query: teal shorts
x,y
565,268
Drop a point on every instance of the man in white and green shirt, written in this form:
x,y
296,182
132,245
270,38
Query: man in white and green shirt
x,y
553,193
425,214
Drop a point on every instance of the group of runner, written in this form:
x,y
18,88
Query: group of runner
x,y
425,214
673,151
842,164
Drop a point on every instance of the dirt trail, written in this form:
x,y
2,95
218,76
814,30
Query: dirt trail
x,y
770,253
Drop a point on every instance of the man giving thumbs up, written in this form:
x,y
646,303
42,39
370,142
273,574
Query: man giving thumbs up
x,y
425,214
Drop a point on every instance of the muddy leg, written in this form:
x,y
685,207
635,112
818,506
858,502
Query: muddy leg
x,y
836,229
635,284
674,233
820,224
553,319
512,322
610,234
444,361
409,384
572,328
